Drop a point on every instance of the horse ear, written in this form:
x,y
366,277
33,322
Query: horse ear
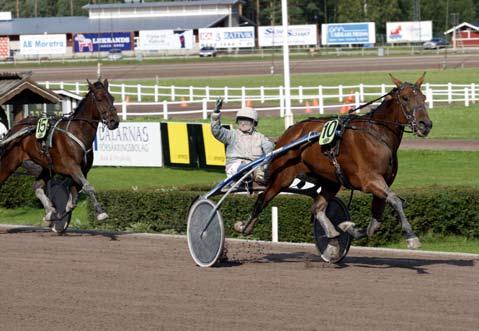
x,y
105,83
90,85
396,81
420,80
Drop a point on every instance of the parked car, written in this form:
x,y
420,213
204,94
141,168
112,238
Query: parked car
x,y
114,54
435,43
208,51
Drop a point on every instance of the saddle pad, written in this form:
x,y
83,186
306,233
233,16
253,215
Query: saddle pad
x,y
329,132
42,128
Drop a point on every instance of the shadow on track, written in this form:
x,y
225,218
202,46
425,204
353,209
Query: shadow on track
x,y
419,265
70,233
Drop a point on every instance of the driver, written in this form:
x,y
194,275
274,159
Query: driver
x,y
243,144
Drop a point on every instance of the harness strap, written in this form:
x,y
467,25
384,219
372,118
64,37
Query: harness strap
x,y
78,141
50,134
17,134
342,179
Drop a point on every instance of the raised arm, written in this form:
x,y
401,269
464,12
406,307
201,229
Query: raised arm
x,y
222,134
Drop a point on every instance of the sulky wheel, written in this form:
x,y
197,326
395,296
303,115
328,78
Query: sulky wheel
x,y
205,232
337,212
59,193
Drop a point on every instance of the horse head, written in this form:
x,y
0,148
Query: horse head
x,y
103,101
412,103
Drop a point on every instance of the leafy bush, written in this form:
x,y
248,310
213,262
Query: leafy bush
x,y
17,190
434,210
438,210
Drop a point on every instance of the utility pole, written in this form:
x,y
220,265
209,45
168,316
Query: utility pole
x,y
325,10
257,13
71,7
444,66
18,8
417,17
288,115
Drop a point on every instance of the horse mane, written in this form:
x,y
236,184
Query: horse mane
x,y
82,103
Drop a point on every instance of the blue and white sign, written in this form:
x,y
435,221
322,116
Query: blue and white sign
x,y
227,37
102,42
133,144
348,33
43,44
297,35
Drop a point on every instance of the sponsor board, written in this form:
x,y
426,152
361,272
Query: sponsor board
x,y
297,35
165,39
236,37
348,33
405,32
133,144
43,44
102,42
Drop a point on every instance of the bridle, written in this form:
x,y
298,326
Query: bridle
x,y
409,115
101,108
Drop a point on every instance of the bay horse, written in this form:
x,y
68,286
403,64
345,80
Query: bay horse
x,y
67,149
367,162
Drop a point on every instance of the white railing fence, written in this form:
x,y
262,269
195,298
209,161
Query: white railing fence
x,y
167,101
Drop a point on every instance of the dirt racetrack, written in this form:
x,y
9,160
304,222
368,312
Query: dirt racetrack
x,y
86,281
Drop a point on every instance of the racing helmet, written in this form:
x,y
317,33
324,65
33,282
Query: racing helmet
x,y
248,112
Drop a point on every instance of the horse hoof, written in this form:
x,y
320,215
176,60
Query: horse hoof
x,y
350,228
101,217
46,223
373,227
49,216
332,252
239,227
346,226
413,243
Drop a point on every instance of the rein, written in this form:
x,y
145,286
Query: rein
x,y
411,118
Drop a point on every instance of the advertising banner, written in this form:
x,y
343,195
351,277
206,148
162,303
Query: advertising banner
x,y
235,37
43,44
406,32
4,47
165,39
102,42
214,150
297,35
133,144
348,33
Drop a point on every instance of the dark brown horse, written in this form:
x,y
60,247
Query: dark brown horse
x,y
367,161
67,149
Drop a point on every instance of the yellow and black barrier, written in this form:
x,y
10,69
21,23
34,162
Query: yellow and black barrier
x,y
191,145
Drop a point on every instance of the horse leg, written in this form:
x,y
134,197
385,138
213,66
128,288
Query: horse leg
x,y
276,185
50,211
381,190
411,238
72,199
78,177
377,210
332,251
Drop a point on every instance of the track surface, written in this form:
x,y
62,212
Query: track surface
x,y
123,282
228,68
